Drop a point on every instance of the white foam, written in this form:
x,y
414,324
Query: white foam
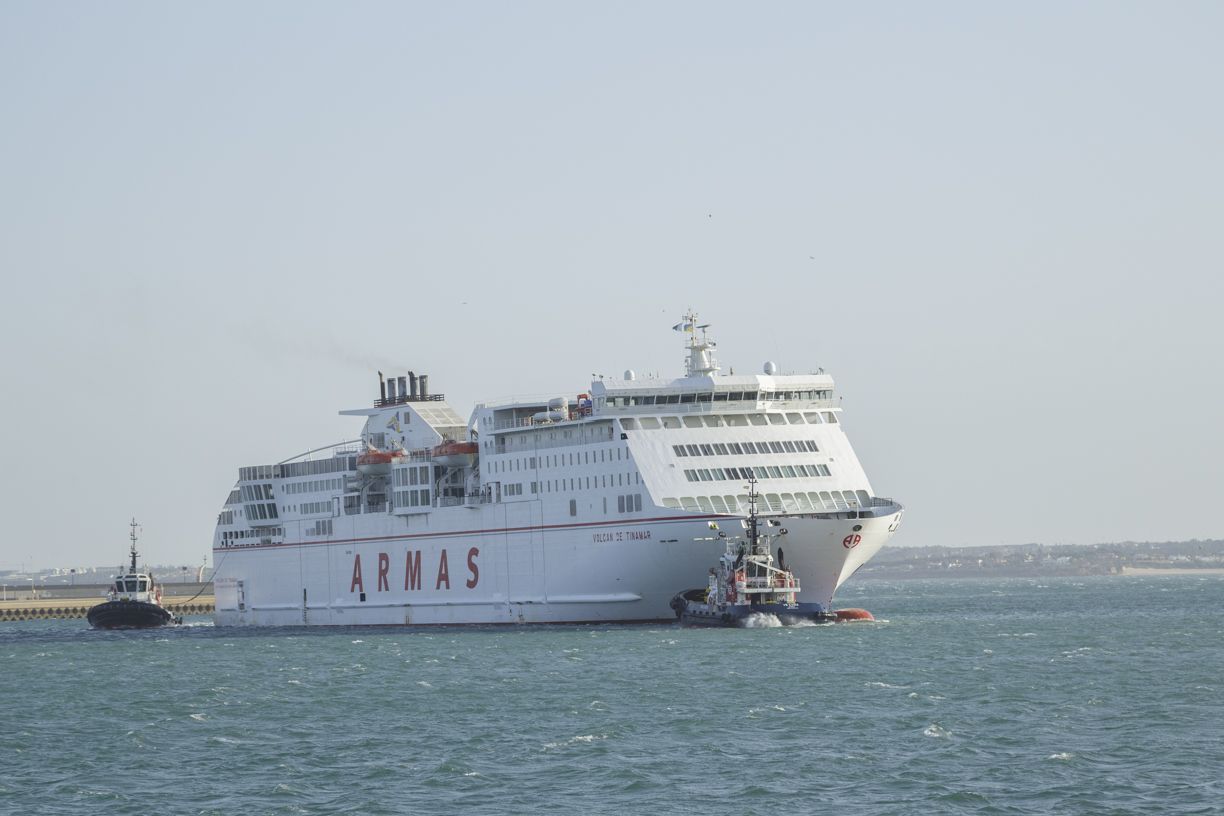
x,y
762,620
936,730
584,739
1062,756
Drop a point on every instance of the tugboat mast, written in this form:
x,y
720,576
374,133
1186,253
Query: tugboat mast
x,y
753,533
133,537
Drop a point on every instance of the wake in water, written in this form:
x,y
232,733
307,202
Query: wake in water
x,y
762,620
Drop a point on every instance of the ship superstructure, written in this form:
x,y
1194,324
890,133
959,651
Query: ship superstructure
x,y
592,507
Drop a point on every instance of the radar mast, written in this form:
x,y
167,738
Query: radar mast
x,y
700,362
133,537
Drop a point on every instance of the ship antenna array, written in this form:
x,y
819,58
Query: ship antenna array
x,y
132,535
753,531
700,361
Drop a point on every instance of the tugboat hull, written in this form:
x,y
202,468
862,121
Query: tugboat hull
x,y
128,615
693,611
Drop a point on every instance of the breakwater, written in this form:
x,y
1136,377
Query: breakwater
x,y
63,608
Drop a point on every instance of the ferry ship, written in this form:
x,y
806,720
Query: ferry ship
x,y
596,507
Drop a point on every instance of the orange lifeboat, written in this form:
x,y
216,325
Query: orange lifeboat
x,y
375,462
844,615
455,454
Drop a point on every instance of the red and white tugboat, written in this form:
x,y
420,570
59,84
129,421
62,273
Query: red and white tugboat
x,y
134,601
749,581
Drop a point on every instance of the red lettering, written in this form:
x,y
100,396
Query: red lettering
x,y
356,584
412,573
472,568
443,573
384,564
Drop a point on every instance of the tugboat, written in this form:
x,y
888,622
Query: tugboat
x,y
133,602
749,581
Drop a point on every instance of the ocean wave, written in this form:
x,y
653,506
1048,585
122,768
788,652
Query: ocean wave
x,y
762,620
584,739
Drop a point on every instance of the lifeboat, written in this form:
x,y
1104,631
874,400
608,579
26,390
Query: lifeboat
x,y
375,462
844,615
455,454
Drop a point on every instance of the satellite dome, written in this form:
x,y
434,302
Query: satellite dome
x,y
771,367
629,375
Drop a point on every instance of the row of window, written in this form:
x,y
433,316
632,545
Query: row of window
x,y
262,512
263,532
259,492
405,476
680,399
130,585
717,396
316,467
322,527
316,507
629,503
579,483
651,423
589,482
823,501
312,486
412,498
767,472
558,460
740,448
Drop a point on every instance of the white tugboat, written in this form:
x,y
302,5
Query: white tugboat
x,y
134,600
749,581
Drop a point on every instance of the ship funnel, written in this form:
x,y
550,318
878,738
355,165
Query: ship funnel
x,y
382,387
403,387
391,389
423,384
412,380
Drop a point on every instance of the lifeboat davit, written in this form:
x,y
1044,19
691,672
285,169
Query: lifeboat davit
x,y
844,615
375,462
455,454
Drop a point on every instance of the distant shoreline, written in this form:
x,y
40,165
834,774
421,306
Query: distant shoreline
x,y
1172,571
971,575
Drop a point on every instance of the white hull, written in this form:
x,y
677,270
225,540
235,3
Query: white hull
x,y
519,571
596,508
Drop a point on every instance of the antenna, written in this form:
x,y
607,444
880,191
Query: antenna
x,y
701,360
134,525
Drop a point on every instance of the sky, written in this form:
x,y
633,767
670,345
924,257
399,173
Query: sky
x,y
998,226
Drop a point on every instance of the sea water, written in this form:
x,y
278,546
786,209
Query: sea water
x,y
1093,695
